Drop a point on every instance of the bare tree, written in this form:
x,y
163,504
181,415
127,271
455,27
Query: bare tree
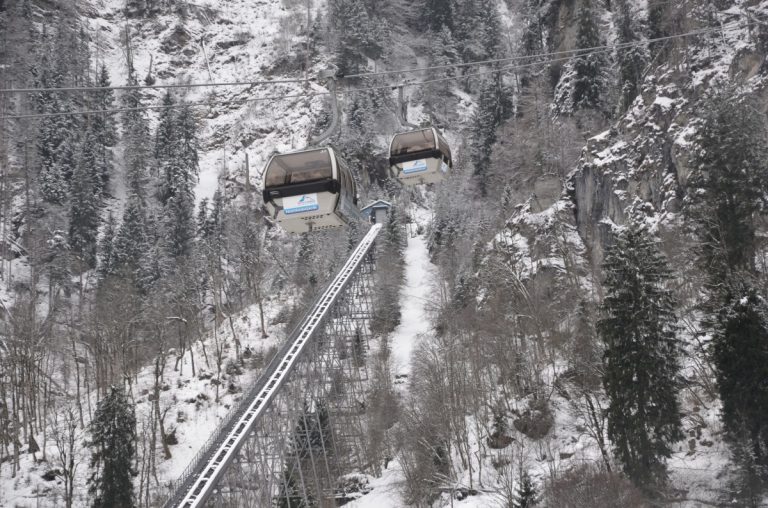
x,y
67,435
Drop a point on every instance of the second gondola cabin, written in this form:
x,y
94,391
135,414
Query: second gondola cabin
x,y
310,190
420,156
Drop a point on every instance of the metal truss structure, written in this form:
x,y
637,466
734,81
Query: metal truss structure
x,y
300,428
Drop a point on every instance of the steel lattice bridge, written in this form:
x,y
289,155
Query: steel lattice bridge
x,y
300,427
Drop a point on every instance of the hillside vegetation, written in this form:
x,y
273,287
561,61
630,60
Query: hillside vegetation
x,y
598,323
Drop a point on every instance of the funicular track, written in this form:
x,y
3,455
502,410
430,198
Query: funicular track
x,y
255,416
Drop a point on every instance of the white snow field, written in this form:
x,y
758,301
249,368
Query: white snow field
x,y
415,321
415,298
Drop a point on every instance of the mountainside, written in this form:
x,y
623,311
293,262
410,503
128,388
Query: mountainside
x,y
593,268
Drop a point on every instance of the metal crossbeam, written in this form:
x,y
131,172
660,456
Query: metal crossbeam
x,y
200,479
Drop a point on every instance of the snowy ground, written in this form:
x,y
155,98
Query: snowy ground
x,y
220,41
415,297
698,471
414,322
191,407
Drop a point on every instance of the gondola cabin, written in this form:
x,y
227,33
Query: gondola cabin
x,y
310,190
421,156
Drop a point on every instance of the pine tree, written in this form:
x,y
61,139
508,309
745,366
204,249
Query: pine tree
x,y
177,152
387,300
658,14
641,356
311,437
104,129
202,219
740,352
136,137
166,132
104,123
106,248
66,155
477,29
494,106
727,191
113,444
489,28
58,261
53,186
84,210
526,495
131,241
358,145
588,67
217,216
725,197
356,34
438,15
305,260
179,224
442,51
188,144
533,42
632,58
290,492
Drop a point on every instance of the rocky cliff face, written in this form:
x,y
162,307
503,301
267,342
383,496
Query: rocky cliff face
x,y
641,165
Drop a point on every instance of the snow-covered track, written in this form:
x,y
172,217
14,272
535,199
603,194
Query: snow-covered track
x,y
198,481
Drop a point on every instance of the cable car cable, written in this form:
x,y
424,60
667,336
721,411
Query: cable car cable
x,y
367,74
572,52
224,102
154,87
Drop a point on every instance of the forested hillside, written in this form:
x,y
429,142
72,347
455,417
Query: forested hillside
x,y
594,266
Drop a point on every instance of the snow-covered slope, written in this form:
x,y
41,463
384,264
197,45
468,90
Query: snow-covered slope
x,y
220,41
188,399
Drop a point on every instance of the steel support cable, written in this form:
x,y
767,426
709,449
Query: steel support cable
x,y
219,458
576,53
569,52
155,87
359,75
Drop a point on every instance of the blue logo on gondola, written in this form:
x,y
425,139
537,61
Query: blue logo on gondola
x,y
415,166
298,204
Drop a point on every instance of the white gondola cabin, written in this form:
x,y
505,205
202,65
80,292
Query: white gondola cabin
x,y
310,190
420,156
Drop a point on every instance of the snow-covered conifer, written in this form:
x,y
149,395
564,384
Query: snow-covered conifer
x,y
85,206
526,495
729,188
632,58
584,81
131,242
726,197
166,132
740,335
106,249
113,447
641,365
477,30
137,142
494,106
438,15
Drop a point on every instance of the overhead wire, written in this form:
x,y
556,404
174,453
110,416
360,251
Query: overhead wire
x,y
154,87
358,75
570,52
535,63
